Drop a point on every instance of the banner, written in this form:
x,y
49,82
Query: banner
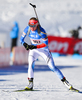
x,y
64,45
4,57
20,56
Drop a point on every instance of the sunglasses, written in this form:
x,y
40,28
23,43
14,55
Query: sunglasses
x,y
32,25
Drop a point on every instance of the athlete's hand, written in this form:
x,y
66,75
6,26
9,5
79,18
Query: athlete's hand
x,y
32,47
29,46
26,46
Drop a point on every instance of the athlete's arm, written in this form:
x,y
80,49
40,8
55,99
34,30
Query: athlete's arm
x,y
22,38
24,35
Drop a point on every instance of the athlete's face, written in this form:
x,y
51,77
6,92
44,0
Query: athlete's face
x,y
33,28
33,25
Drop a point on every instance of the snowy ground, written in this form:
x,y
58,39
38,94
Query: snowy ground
x,y
47,84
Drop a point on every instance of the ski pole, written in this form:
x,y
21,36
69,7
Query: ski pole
x,y
34,6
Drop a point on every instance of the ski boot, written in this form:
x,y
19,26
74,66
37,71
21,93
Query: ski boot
x,y
30,85
66,83
69,86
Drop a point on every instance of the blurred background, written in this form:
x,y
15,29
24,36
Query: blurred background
x,y
56,16
60,18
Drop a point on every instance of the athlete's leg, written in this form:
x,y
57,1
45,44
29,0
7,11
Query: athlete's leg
x,y
32,57
31,67
54,68
49,60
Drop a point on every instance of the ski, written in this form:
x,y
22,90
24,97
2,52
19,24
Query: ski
x,y
20,90
75,90
23,90
26,89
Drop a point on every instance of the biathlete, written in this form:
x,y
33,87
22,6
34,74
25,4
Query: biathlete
x,y
39,47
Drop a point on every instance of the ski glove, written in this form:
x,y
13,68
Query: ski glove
x,y
29,46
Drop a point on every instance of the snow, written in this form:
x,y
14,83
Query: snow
x,y
57,17
47,85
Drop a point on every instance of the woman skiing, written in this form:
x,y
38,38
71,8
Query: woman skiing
x,y
39,47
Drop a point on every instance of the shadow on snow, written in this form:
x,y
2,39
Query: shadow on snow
x,y
24,68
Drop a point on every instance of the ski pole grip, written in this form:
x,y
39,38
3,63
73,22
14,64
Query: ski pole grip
x,y
34,6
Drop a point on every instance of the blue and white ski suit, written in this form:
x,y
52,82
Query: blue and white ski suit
x,y
37,39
